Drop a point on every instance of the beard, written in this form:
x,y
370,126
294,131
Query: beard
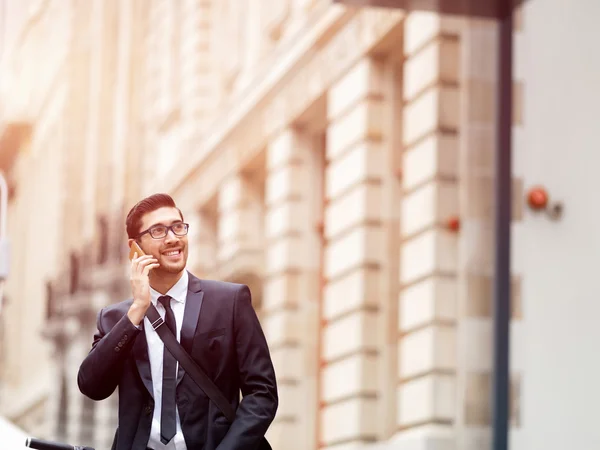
x,y
168,266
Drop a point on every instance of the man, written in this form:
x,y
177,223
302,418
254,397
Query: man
x,y
160,407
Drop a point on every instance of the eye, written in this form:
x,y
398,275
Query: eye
x,y
158,231
179,227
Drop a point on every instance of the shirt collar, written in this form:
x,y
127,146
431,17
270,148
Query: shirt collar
x,y
178,292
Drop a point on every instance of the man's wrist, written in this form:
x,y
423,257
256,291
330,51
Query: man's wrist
x,y
136,314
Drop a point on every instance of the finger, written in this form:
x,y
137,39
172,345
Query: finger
x,y
148,268
142,258
145,262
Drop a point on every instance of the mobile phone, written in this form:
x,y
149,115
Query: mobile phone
x,y
135,248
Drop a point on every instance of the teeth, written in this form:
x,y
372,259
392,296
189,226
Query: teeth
x,y
176,252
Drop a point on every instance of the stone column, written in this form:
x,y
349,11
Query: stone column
x,y
353,334
76,353
240,227
93,128
198,93
203,242
53,403
290,298
428,253
122,106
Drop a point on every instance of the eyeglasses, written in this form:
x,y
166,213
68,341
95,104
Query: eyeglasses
x,y
161,231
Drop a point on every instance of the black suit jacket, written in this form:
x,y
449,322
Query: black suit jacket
x,y
223,335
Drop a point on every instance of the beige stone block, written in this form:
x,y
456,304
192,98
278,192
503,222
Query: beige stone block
x,y
426,350
480,197
423,26
360,205
240,224
480,61
427,399
229,225
285,218
281,291
433,299
228,250
364,80
435,156
285,183
356,445
478,299
282,328
518,100
479,148
350,377
437,63
432,252
355,418
434,110
360,247
285,149
481,100
476,349
363,122
419,29
279,434
478,247
289,399
428,437
351,334
361,164
286,254
477,407
235,191
287,362
428,206
358,289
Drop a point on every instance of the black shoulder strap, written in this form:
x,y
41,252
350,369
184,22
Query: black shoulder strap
x,y
189,365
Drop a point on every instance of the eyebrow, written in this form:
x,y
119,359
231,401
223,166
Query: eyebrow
x,y
165,225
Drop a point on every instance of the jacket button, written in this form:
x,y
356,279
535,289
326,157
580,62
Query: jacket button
x,y
117,349
121,344
125,337
148,410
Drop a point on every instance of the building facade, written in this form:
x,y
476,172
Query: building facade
x,y
337,160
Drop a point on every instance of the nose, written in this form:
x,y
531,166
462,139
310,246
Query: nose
x,y
170,237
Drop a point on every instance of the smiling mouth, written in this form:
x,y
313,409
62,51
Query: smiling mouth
x,y
172,253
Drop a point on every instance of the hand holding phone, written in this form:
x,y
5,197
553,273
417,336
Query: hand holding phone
x,y
141,265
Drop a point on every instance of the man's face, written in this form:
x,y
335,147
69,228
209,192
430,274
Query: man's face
x,y
170,251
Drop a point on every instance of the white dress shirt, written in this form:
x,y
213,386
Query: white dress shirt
x,y
178,294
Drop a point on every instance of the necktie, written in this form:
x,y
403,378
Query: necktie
x,y
169,379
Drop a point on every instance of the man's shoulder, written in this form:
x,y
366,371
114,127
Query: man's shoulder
x,y
220,286
220,289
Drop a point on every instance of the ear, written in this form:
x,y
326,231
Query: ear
x,y
130,242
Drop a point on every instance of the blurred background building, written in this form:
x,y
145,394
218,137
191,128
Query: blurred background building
x,y
339,161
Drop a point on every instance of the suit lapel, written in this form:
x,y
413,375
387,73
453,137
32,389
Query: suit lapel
x,y
191,316
140,350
